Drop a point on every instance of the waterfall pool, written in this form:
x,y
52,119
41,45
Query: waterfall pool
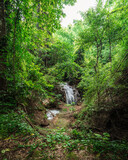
x,y
51,113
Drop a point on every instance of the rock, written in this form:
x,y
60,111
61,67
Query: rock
x,y
40,118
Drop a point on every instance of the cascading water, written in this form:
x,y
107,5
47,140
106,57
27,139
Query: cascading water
x,y
70,98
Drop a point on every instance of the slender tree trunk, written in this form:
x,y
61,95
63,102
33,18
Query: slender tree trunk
x,y
46,59
97,75
14,50
14,53
2,46
110,50
109,40
2,19
38,12
99,49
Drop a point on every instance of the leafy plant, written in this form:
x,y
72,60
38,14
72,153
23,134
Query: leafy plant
x,y
13,122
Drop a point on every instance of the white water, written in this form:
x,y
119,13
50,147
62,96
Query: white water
x,y
69,93
70,98
52,113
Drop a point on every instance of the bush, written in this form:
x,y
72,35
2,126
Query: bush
x,y
13,122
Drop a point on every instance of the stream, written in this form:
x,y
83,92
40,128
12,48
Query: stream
x,y
71,97
51,113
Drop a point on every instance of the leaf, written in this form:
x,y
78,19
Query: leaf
x,y
5,150
98,155
7,138
32,134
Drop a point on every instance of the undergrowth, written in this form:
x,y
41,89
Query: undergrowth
x,y
101,145
14,122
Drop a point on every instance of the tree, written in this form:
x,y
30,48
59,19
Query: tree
x,y
25,29
2,45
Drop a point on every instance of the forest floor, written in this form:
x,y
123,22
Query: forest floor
x,y
53,142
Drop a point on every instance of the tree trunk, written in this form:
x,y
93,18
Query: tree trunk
x,y
14,43
2,19
2,46
96,67
110,59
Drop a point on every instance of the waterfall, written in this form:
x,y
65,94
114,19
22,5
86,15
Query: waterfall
x,y
70,98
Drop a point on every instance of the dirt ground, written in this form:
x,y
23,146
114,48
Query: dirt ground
x,y
28,147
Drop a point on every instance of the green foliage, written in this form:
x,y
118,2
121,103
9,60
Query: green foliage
x,y
76,134
92,53
96,143
13,123
67,71
59,137
103,40
29,28
99,144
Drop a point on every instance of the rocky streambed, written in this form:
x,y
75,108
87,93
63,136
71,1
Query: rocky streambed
x,y
51,113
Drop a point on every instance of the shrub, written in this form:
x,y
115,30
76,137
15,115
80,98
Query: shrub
x,y
13,122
